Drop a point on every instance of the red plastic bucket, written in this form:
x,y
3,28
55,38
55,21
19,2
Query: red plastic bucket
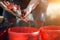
x,y
50,33
23,33
3,35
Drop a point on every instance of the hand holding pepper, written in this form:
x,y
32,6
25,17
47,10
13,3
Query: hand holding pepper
x,y
23,13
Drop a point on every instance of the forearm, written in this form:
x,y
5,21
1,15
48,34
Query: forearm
x,y
32,5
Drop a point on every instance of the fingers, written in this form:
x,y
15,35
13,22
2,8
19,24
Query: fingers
x,y
2,4
25,15
6,3
25,20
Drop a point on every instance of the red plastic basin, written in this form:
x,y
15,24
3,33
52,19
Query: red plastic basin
x,y
50,33
23,33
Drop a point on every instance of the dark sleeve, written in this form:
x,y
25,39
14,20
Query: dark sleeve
x,y
8,15
1,11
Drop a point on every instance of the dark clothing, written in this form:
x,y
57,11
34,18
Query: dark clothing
x,y
22,3
8,15
1,11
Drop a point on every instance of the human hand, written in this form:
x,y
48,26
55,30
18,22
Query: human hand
x,y
11,6
25,15
8,4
